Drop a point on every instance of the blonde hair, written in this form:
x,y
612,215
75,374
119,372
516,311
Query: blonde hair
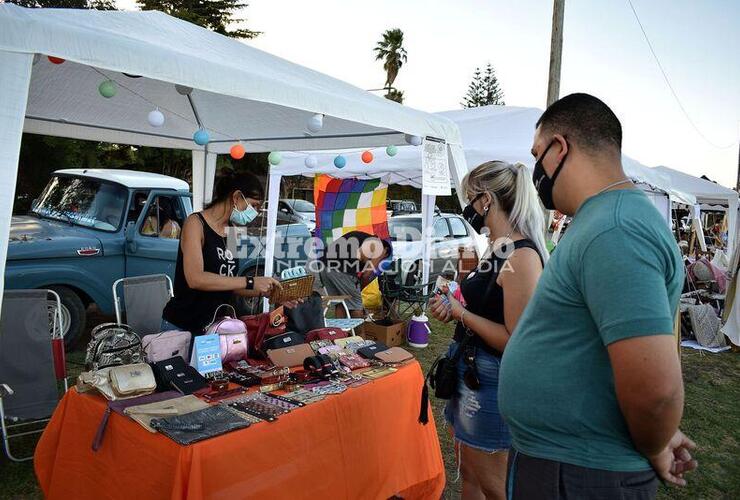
x,y
512,189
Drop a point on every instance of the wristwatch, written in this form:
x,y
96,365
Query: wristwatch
x,y
250,283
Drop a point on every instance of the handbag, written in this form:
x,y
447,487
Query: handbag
x,y
306,316
290,356
325,334
120,408
292,289
369,352
200,424
442,377
128,381
113,344
144,412
287,339
261,326
160,346
175,373
394,355
232,334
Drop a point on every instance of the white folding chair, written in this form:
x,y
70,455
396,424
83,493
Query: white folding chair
x,y
144,298
30,375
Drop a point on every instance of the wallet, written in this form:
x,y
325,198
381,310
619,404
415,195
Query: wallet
x,y
290,356
176,373
369,352
353,362
344,342
326,334
287,339
144,413
292,289
394,355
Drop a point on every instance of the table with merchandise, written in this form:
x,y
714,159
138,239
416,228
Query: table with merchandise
x,y
343,425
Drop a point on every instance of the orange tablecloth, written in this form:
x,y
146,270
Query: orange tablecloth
x,y
365,443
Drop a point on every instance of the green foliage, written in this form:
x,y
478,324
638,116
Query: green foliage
x,y
390,50
216,15
484,89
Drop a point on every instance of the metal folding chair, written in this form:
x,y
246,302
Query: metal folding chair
x,y
32,366
144,298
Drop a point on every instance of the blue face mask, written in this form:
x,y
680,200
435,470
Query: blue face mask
x,y
243,217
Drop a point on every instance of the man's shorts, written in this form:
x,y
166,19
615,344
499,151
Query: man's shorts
x,y
339,283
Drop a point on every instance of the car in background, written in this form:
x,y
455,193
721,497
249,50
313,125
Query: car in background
x,y
400,207
451,233
301,208
90,227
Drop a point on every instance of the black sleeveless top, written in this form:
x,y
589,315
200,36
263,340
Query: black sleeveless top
x,y
484,297
190,309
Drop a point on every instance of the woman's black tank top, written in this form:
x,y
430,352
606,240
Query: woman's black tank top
x,y
484,296
190,309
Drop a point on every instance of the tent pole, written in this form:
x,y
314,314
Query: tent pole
x,y
427,231
15,78
210,176
273,197
199,169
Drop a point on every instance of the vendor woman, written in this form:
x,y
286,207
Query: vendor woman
x,y
207,271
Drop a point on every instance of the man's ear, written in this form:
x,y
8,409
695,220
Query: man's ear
x,y
564,146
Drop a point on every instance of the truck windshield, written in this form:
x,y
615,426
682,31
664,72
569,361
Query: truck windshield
x,y
83,202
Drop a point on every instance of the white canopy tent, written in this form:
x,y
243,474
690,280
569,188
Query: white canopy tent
x,y
239,94
708,196
488,133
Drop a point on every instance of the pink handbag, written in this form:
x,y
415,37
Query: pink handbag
x,y
232,334
166,345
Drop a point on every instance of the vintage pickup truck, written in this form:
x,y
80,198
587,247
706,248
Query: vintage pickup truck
x,y
90,227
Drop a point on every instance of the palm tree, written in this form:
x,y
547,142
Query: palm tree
x,y
390,50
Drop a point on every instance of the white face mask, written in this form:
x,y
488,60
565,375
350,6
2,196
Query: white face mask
x,y
243,217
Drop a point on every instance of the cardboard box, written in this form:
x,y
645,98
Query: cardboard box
x,y
391,335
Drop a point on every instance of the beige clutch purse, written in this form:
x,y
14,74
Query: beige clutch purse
x,y
132,380
143,414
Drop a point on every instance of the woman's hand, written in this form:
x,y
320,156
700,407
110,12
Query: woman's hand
x,y
456,308
264,285
439,308
292,303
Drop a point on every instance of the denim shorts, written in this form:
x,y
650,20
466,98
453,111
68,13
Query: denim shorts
x,y
474,415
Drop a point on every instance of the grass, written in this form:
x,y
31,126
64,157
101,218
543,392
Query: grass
x,y
711,418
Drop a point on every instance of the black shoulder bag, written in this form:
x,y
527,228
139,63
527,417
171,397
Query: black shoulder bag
x,y
442,375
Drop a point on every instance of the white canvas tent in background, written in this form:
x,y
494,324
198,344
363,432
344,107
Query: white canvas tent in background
x,y
707,196
240,94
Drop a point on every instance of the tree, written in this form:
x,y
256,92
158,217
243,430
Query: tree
x,y
216,15
484,90
390,50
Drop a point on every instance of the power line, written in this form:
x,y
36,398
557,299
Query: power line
x,y
665,77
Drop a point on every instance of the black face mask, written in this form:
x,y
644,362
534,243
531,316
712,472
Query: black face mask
x,y
472,216
543,183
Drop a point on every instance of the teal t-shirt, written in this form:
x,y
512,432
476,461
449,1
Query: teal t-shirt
x,y
616,273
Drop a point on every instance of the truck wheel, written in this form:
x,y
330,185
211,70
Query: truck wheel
x,y
73,315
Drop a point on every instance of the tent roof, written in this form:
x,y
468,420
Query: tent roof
x,y
240,92
488,133
706,192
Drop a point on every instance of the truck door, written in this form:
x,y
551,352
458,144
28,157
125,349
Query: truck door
x,y
152,241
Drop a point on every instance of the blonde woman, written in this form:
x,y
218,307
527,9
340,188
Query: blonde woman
x,y
502,203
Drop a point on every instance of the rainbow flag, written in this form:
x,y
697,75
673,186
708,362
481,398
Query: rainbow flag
x,y
344,205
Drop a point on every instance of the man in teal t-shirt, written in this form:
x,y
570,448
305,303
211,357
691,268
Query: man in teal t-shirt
x,y
590,382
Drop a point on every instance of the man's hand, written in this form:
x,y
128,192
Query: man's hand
x,y
675,460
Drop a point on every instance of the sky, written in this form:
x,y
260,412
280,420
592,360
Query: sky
x,y
604,54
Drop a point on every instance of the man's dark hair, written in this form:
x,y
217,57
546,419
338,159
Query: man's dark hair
x,y
584,120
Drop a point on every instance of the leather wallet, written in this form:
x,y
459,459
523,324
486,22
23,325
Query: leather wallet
x,y
292,289
176,373
290,356
344,342
394,355
369,352
287,339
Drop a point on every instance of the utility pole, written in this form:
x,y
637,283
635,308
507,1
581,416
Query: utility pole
x,y
556,51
